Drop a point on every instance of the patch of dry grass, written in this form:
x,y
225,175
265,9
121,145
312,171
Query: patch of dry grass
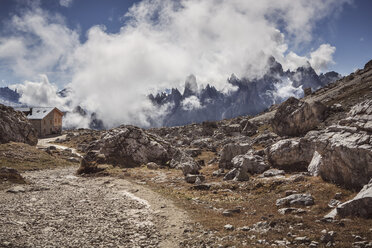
x,y
23,157
256,201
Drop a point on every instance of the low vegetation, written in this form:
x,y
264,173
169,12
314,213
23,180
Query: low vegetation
x,y
251,202
24,157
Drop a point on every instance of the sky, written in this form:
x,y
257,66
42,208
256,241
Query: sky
x,y
114,52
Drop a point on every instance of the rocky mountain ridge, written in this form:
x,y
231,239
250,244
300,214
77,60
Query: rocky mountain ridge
x,y
9,96
250,97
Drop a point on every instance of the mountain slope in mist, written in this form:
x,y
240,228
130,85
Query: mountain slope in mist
x,y
248,97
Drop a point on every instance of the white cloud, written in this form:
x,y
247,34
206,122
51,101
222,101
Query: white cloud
x,y
65,3
41,93
321,58
162,42
40,44
191,103
285,89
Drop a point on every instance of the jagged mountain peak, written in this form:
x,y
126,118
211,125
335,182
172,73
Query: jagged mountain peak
x,y
191,86
249,97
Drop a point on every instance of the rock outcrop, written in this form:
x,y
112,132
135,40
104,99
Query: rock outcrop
x,y
14,126
229,151
250,162
343,152
295,117
130,146
292,154
360,205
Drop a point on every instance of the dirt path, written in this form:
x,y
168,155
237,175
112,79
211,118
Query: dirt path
x,y
59,209
47,142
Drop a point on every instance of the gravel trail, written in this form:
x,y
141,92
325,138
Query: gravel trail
x,y
59,209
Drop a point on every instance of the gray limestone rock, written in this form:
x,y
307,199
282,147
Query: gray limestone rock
x,y
295,117
14,126
296,199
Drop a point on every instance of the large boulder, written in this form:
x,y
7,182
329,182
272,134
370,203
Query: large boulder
x,y
360,116
339,153
360,205
295,117
229,151
181,160
250,162
346,148
14,126
345,155
130,146
292,154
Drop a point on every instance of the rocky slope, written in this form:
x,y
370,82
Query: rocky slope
x,y
14,126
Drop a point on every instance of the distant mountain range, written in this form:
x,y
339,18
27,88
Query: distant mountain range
x,y
9,97
247,97
250,97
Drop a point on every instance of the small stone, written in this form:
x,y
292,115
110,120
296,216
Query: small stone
x,y
152,166
313,244
16,189
328,237
273,172
229,227
338,196
334,203
358,238
245,228
296,199
302,240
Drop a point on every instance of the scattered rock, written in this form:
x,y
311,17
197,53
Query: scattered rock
x,y
229,151
249,129
191,178
296,199
328,236
273,173
11,175
152,166
16,189
291,211
302,240
230,175
229,227
249,163
218,173
334,203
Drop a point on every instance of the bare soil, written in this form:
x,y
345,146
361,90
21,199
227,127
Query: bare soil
x,y
59,209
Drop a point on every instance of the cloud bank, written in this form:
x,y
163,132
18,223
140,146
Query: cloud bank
x,y
65,3
161,42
